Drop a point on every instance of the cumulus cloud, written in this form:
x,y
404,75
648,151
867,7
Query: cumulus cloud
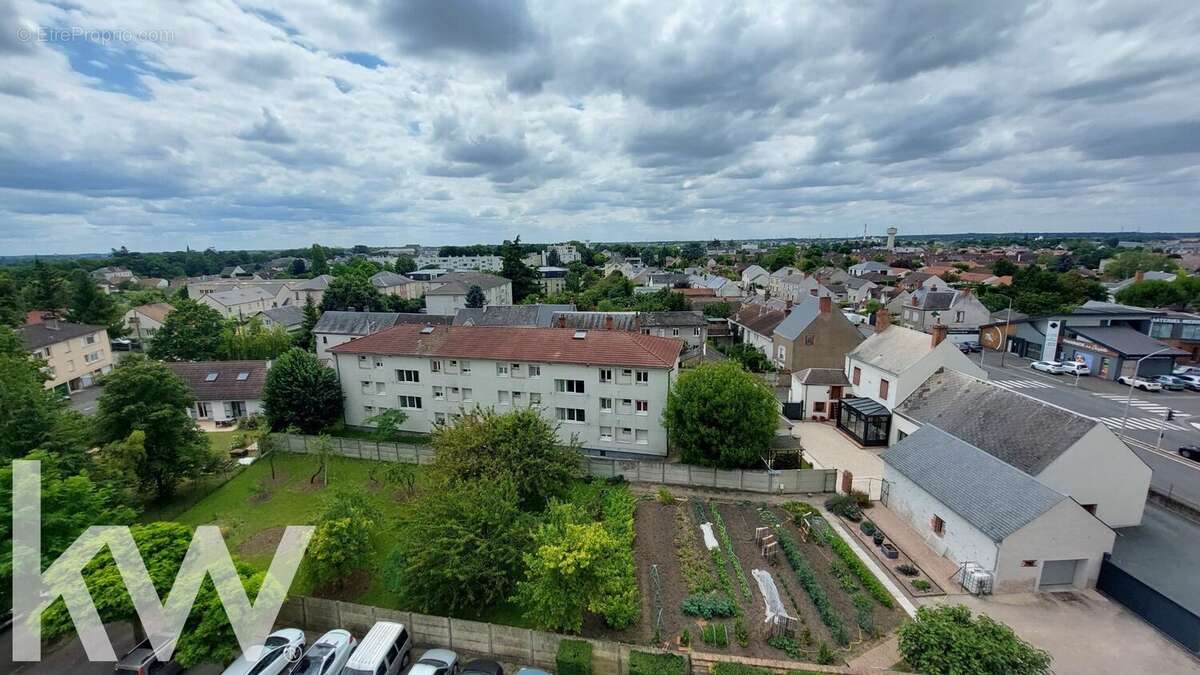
x,y
268,130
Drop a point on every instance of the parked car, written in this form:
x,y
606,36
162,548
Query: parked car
x,y
1075,368
328,654
1140,383
525,670
482,667
1186,370
386,649
281,650
1190,452
970,346
1052,367
1171,383
121,345
1191,382
144,660
436,662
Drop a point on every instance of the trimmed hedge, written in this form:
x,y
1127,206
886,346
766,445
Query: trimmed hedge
x,y
574,657
724,668
642,663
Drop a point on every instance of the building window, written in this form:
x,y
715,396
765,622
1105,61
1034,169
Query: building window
x,y
643,377
641,436
606,434
439,418
959,317
810,340
504,398
439,394
819,406
408,376
324,339
606,375
626,435
938,525
857,375
518,397
92,357
626,406
366,386
369,409
410,402
89,340
695,332
468,394
900,435
605,404
884,385
642,407
535,398
1090,508
515,369
378,362
535,370
501,370
1028,563
674,332
1160,330
435,366
1190,333
569,386
780,352
380,388
626,376
574,415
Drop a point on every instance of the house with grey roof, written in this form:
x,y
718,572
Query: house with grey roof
x,y
754,275
390,283
239,303
336,327
313,289
976,509
1075,455
448,293
814,391
290,317
530,316
691,327
868,266
815,334
956,309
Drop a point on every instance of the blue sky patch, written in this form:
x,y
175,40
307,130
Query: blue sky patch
x,y
118,66
365,59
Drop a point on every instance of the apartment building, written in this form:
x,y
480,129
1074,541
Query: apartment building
x,y
448,293
75,354
461,263
606,388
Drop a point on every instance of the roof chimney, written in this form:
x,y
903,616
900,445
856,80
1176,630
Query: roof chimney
x,y
826,304
939,333
1139,276
883,319
562,321
608,322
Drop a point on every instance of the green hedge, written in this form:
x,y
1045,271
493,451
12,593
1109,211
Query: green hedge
x,y
869,581
574,657
642,663
724,668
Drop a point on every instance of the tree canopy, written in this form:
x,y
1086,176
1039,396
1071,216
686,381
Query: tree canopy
x,y
947,640
513,268
89,305
192,332
719,415
353,292
303,392
475,297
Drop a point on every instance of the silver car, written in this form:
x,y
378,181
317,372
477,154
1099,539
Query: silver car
x,y
328,654
436,662
280,651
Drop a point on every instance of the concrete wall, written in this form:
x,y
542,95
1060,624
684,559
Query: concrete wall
x,y
1100,469
327,341
901,424
486,383
791,481
960,541
1065,532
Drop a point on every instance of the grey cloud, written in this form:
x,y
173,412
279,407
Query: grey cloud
x,y
262,69
21,87
1122,84
1169,138
487,151
480,27
90,174
267,130
11,29
903,38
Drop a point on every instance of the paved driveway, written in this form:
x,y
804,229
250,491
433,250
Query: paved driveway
x,y
1085,632
827,448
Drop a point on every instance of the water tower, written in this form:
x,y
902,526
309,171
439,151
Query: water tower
x,y
891,233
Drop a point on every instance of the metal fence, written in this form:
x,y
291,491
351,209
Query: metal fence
x,y
787,481
1168,616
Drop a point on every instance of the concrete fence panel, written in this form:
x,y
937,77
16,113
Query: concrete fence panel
x,y
677,474
606,658
517,644
728,480
355,618
321,615
702,476
544,647
431,630
393,615
292,613
471,636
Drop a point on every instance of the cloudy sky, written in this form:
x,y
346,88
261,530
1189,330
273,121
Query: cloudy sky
x,y
267,124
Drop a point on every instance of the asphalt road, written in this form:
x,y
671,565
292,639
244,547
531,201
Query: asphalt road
x,y
1106,402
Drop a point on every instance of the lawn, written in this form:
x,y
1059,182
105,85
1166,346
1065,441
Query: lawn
x,y
191,492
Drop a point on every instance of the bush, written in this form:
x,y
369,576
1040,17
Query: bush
x,y
709,605
907,570
715,634
665,497
868,528
948,639
789,460
799,509
725,668
826,656
685,638
861,498
642,663
574,657
845,506
921,585
786,645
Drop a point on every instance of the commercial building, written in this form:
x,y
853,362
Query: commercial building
x,y
605,388
75,353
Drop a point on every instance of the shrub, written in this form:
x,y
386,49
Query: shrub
x,y
725,668
861,498
642,663
685,638
715,634
799,509
921,585
574,657
826,656
907,570
948,639
867,527
786,645
665,497
788,460
863,613
845,506
740,632
709,605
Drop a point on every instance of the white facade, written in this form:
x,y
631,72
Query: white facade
x,y
139,325
1100,469
449,304
327,341
867,380
223,411
621,407
462,263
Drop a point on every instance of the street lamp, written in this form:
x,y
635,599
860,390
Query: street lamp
x,y
1004,335
1136,369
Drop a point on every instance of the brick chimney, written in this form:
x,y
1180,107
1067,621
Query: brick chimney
x,y
883,319
938,333
608,322
826,304
1139,276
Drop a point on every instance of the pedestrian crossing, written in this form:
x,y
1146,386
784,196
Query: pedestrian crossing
x,y
1143,423
1022,384
1148,406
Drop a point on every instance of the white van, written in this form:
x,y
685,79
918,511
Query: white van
x,y
385,650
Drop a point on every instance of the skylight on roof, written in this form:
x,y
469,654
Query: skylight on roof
x,y
211,377
427,330
242,376
580,334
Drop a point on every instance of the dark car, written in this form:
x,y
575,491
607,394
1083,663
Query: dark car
x,y
143,660
483,667
1190,452
972,346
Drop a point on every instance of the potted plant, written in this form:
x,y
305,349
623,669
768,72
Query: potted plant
x,y
867,527
878,537
907,570
890,551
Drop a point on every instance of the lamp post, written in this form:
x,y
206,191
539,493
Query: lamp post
x,y
1136,369
1003,336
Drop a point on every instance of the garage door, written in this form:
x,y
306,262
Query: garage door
x,y
1058,572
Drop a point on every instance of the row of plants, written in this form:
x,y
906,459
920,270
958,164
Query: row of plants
x,y
727,543
718,557
808,580
869,581
709,606
696,571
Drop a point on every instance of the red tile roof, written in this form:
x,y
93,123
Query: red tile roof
x,y
506,343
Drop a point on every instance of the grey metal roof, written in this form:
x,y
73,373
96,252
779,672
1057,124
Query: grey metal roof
x,y
288,315
458,283
821,376
672,319
801,316
317,283
540,316
357,323
1125,340
38,335
1017,429
934,301
867,406
388,279
239,296
992,496
594,320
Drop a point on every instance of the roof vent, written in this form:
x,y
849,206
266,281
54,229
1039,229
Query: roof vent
x,y
427,330
580,334
211,377
242,376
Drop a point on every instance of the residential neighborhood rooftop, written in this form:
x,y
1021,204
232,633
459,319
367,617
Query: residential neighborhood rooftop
x,y
833,377
534,316
458,283
223,380
38,335
895,349
364,323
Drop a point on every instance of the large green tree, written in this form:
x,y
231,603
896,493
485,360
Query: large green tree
x,y
345,536
192,332
145,396
305,339
1126,263
520,445
352,292
46,288
12,307
1153,293
89,305
405,264
513,268
459,547
475,297
302,392
718,414
319,265
947,640
253,341
27,409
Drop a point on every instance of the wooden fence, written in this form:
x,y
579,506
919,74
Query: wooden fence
x,y
788,481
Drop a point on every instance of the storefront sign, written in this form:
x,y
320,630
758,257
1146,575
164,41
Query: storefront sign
x,y
1090,346
1050,346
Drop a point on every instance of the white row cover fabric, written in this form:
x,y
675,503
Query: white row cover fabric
x,y
710,539
766,586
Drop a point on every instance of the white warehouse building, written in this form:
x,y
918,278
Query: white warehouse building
x,y
606,388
